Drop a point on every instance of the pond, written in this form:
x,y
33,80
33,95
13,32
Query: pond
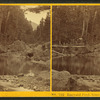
x,y
80,65
14,66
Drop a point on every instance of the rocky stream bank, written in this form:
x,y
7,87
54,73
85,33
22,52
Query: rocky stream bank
x,y
24,67
64,81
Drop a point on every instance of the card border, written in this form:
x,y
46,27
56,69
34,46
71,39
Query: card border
x,y
51,93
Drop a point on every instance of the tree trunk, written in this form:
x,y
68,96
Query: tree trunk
x,y
83,29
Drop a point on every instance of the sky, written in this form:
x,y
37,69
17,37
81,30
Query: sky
x,y
34,17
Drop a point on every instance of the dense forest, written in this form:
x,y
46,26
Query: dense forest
x,y
43,30
42,34
24,48
14,26
76,24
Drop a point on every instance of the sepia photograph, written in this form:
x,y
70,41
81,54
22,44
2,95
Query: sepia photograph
x,y
24,48
76,48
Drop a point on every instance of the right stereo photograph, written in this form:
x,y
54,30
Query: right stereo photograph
x,y
76,48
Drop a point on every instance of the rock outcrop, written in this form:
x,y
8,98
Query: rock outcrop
x,y
61,80
85,83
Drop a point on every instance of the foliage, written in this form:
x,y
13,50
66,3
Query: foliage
x,y
13,25
42,34
71,23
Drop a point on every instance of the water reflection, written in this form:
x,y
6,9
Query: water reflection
x,y
14,65
78,65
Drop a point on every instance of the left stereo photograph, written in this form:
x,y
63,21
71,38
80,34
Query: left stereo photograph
x,y
24,48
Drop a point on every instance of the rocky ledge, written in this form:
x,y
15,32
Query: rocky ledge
x,y
64,81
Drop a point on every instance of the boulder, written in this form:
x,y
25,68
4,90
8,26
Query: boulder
x,y
44,75
60,80
30,74
3,49
84,83
20,75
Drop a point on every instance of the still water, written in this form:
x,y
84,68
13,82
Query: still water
x,y
78,65
14,66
